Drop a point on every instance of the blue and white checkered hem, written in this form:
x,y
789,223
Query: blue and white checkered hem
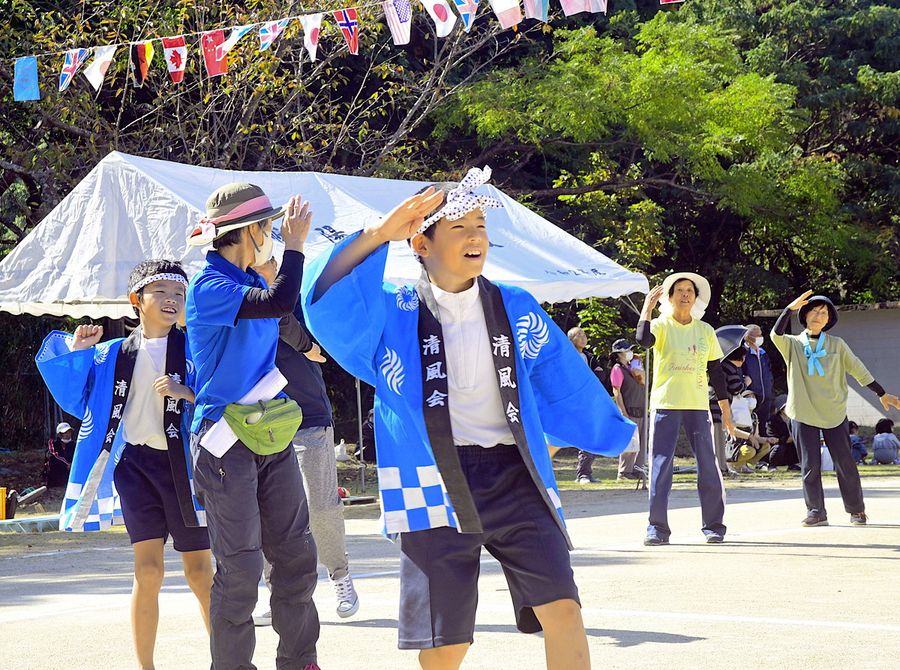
x,y
418,503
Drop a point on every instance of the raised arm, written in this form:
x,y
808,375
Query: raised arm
x,y
644,337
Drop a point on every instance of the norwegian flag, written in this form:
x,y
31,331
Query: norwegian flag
x,y
399,19
312,25
269,32
73,60
507,11
349,25
175,53
467,10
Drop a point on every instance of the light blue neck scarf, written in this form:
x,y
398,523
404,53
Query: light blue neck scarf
x,y
813,365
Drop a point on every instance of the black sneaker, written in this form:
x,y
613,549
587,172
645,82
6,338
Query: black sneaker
x,y
654,541
813,519
859,519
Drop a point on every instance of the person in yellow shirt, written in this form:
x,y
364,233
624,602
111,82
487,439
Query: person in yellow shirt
x,y
686,361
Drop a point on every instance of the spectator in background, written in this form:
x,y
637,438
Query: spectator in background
x,y
785,451
367,451
756,367
628,393
857,444
731,341
579,340
885,445
60,451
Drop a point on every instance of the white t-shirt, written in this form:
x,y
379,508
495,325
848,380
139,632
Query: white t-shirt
x,y
476,411
142,422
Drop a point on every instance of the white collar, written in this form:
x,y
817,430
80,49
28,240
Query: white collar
x,y
462,300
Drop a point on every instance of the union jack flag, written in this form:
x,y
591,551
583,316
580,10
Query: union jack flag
x,y
349,25
269,32
73,61
467,10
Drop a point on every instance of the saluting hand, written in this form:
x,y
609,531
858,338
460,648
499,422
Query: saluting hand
x,y
295,227
799,302
86,336
889,400
404,220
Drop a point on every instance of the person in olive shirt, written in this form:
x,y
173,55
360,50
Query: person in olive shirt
x,y
817,368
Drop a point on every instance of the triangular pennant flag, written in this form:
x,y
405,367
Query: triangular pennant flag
x,y
141,56
96,71
537,9
399,19
312,26
467,10
25,81
175,53
507,11
269,32
349,25
669,2
73,60
443,18
571,7
216,64
235,37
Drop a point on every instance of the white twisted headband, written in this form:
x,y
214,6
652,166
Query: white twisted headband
x,y
170,276
462,199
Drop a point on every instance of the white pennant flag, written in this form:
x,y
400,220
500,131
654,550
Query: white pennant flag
x,y
444,19
233,39
312,25
96,71
507,11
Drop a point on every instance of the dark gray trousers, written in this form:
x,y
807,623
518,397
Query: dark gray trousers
x,y
837,440
255,506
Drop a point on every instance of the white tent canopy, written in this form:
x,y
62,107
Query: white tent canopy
x,y
128,209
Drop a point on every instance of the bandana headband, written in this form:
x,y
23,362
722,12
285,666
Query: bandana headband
x,y
462,199
162,276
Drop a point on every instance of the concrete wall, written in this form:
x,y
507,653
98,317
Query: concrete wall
x,y
874,336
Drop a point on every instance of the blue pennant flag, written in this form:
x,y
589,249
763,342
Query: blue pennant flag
x,y
25,84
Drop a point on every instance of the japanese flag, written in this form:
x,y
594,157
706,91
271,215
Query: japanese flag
x,y
312,25
444,19
96,71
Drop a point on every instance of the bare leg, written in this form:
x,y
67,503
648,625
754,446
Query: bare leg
x,y
148,579
565,642
448,657
199,574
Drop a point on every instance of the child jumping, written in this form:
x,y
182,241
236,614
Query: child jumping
x,y
133,448
472,379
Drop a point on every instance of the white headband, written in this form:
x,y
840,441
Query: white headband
x,y
462,199
170,276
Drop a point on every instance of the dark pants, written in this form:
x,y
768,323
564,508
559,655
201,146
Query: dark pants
x,y
783,454
255,506
837,440
763,414
664,426
585,465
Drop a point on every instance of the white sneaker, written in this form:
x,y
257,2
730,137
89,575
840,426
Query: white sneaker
x,y
348,600
262,617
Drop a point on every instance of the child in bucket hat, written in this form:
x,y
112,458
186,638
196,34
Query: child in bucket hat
x,y
248,477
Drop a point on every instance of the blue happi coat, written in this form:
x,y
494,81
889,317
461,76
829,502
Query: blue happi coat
x,y
370,327
82,382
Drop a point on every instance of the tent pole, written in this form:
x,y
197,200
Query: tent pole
x,y
359,439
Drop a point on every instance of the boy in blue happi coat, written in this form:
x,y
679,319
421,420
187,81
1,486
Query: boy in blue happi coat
x,y
133,446
473,380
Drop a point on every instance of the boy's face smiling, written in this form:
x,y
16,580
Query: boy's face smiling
x,y
457,253
161,305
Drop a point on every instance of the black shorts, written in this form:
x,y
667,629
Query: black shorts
x,y
439,567
146,490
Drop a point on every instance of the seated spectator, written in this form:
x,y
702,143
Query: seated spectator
x,y
857,444
885,445
367,452
60,451
785,451
748,448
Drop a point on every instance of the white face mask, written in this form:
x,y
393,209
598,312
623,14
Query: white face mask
x,y
65,440
759,341
629,355
261,255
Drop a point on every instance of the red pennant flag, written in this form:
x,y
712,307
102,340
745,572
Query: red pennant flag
x,y
175,53
141,55
349,25
216,61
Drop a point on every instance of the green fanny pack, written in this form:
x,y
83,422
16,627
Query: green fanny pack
x,y
265,428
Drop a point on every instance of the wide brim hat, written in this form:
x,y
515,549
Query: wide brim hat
x,y
704,293
230,207
819,300
731,338
622,345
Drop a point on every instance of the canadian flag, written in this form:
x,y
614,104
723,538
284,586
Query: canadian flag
x,y
312,25
507,11
216,62
443,18
175,53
